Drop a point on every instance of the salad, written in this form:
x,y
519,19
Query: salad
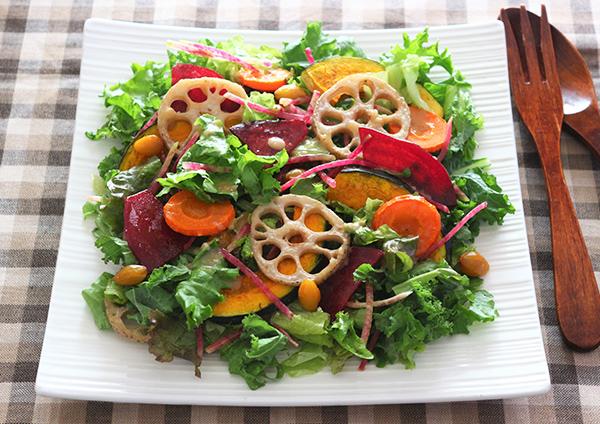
x,y
292,209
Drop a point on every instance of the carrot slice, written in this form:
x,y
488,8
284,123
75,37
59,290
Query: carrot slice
x,y
188,215
269,80
426,129
410,215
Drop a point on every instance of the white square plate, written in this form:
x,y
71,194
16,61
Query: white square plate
x,y
502,359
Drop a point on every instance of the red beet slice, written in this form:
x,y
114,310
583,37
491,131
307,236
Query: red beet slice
x,y
427,175
149,237
189,71
339,288
257,134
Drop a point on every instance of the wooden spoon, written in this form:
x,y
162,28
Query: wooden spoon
x,y
580,104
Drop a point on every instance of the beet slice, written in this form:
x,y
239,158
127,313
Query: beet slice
x,y
189,71
257,134
149,237
427,175
339,288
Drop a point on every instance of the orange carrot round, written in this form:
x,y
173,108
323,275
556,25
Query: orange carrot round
x,y
426,129
269,80
410,215
188,215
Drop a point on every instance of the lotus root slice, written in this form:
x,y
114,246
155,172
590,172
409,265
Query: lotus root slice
x,y
368,101
190,98
292,238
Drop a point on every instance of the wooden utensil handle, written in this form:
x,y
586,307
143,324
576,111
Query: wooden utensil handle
x,y
576,291
587,125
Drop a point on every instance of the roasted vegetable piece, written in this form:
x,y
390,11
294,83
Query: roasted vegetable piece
x,y
426,129
149,237
256,135
340,287
189,71
267,80
410,215
420,170
246,298
355,185
132,157
324,74
188,215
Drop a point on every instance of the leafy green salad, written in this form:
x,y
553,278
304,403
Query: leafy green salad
x,y
292,209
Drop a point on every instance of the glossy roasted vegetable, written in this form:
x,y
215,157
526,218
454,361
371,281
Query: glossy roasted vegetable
x,y
247,298
433,104
324,74
135,157
417,167
355,185
149,237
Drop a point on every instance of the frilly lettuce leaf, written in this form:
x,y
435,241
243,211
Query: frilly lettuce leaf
x,y
321,45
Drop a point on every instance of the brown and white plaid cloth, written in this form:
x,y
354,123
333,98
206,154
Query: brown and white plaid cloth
x,y
40,52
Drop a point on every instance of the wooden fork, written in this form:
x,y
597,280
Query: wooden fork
x,y
536,92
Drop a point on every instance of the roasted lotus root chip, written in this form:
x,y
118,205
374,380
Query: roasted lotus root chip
x,y
282,252
355,101
190,98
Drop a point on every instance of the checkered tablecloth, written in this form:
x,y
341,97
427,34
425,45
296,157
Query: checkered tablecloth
x,y
40,51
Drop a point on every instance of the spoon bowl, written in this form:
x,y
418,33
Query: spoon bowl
x,y
580,104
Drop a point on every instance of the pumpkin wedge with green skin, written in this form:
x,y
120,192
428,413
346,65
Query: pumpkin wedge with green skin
x,y
131,157
324,74
245,298
355,185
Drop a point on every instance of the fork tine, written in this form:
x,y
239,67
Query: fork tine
x,y
531,57
547,49
515,68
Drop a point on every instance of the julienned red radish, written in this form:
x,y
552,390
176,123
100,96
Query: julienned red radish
x,y
147,125
195,166
258,282
287,335
372,343
454,230
209,51
327,179
309,56
277,112
366,330
223,341
155,186
323,167
446,145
